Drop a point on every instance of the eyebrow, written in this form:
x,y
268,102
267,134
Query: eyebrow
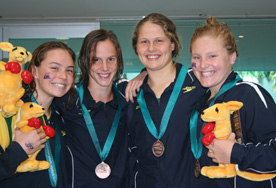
x,y
59,64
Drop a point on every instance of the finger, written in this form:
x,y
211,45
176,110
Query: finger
x,y
42,141
232,136
41,146
210,154
133,93
126,94
38,130
215,160
42,135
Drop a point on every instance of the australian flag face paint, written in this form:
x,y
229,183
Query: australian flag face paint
x,y
194,65
47,76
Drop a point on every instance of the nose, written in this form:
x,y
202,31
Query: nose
x,y
104,66
63,75
151,46
203,63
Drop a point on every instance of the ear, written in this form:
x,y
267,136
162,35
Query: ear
x,y
34,72
173,46
233,106
6,46
233,58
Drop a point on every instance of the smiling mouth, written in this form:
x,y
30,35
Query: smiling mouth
x,y
59,85
152,57
209,73
104,76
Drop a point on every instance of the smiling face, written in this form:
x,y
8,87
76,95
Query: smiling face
x,y
211,62
154,48
55,75
104,64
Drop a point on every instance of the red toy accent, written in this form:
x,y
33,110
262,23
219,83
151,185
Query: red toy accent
x,y
27,77
34,122
14,67
49,131
208,138
208,127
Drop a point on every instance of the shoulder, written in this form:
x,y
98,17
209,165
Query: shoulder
x,y
253,91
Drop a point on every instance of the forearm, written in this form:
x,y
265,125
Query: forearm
x,y
260,157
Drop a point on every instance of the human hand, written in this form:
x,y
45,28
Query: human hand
x,y
220,150
134,85
30,141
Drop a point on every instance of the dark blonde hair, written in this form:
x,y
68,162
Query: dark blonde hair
x,y
216,29
166,24
90,43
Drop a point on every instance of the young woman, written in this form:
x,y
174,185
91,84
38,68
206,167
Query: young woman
x,y
159,122
52,67
214,51
96,123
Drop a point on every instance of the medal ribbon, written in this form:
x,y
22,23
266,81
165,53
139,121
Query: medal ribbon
x,y
54,164
9,125
196,144
90,126
167,113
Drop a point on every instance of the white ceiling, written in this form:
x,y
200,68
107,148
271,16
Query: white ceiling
x,y
94,10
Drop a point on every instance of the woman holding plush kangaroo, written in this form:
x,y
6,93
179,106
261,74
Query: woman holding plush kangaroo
x,y
214,51
52,67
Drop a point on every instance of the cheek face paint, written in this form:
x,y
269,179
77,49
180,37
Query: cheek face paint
x,y
47,76
194,64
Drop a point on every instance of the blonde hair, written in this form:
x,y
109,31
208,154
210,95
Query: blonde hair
x,y
216,29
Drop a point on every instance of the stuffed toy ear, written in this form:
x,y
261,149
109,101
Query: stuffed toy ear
x,y
6,46
29,56
232,106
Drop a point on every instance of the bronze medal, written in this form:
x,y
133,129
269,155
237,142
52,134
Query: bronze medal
x,y
103,170
158,148
197,168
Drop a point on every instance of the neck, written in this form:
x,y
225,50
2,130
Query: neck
x,y
45,102
161,79
99,93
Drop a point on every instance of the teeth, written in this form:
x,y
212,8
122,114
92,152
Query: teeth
x,y
207,73
104,75
60,85
152,56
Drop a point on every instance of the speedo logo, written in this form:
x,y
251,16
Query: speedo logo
x,y
188,89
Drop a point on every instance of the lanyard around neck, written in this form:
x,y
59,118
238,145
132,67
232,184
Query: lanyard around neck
x,y
90,126
167,113
54,164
